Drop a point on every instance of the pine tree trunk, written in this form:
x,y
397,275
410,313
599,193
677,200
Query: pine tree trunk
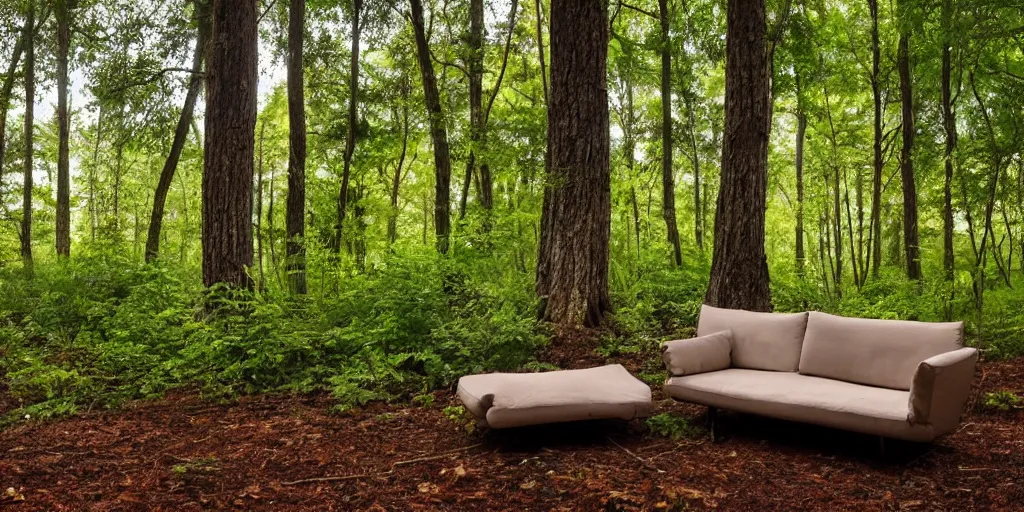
x,y
949,126
476,94
229,144
739,266
910,238
195,86
63,225
353,120
5,95
438,133
30,99
876,184
572,267
801,132
295,208
668,183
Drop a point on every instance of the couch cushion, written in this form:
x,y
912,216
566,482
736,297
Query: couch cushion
x,y
796,397
881,353
698,355
760,341
506,400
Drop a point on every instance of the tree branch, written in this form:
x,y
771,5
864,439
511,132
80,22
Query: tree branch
x,y
504,60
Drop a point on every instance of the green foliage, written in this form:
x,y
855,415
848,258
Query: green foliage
x,y
673,427
1003,401
102,329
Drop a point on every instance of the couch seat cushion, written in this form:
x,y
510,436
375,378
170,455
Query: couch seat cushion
x,y
882,353
796,397
760,341
506,400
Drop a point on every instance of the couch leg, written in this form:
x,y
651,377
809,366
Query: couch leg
x,y
712,420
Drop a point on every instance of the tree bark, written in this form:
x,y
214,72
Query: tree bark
x,y
438,133
295,207
910,238
476,94
30,99
63,224
396,180
195,86
353,121
739,266
572,266
949,126
668,183
876,184
229,144
5,94
801,134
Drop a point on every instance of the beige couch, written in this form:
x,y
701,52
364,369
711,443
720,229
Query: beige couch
x,y
891,378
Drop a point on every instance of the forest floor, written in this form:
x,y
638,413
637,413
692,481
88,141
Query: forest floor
x,y
273,452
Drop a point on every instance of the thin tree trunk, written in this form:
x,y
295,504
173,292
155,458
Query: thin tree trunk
x,y
5,94
476,94
195,86
397,179
63,224
910,236
230,125
837,219
698,187
259,206
876,184
801,134
540,51
353,121
949,126
668,183
94,211
739,267
438,133
572,266
295,207
30,99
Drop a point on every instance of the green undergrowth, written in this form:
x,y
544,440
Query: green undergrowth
x,y
99,330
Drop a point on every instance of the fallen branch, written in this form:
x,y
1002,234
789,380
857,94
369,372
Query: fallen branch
x,y
394,465
631,454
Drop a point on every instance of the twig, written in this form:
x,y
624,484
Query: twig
x,y
631,454
385,473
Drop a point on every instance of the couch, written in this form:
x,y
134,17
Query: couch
x,y
890,378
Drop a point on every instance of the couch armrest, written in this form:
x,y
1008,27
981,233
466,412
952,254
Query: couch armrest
x,y
708,353
940,389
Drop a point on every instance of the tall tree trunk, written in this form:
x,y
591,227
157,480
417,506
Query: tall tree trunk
x,y
353,122
801,134
195,86
668,183
229,144
397,179
698,187
540,51
259,205
438,133
30,100
949,126
295,208
910,239
876,184
572,266
5,94
63,225
739,266
476,94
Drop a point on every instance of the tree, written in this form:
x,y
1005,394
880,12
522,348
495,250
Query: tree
x,y
353,121
438,132
202,19
295,215
229,144
63,228
8,89
572,266
668,184
739,266
949,127
30,99
910,237
877,162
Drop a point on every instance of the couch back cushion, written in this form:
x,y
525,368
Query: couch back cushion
x,y
760,341
883,353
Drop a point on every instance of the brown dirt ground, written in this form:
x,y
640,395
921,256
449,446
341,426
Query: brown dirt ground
x,y
264,452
